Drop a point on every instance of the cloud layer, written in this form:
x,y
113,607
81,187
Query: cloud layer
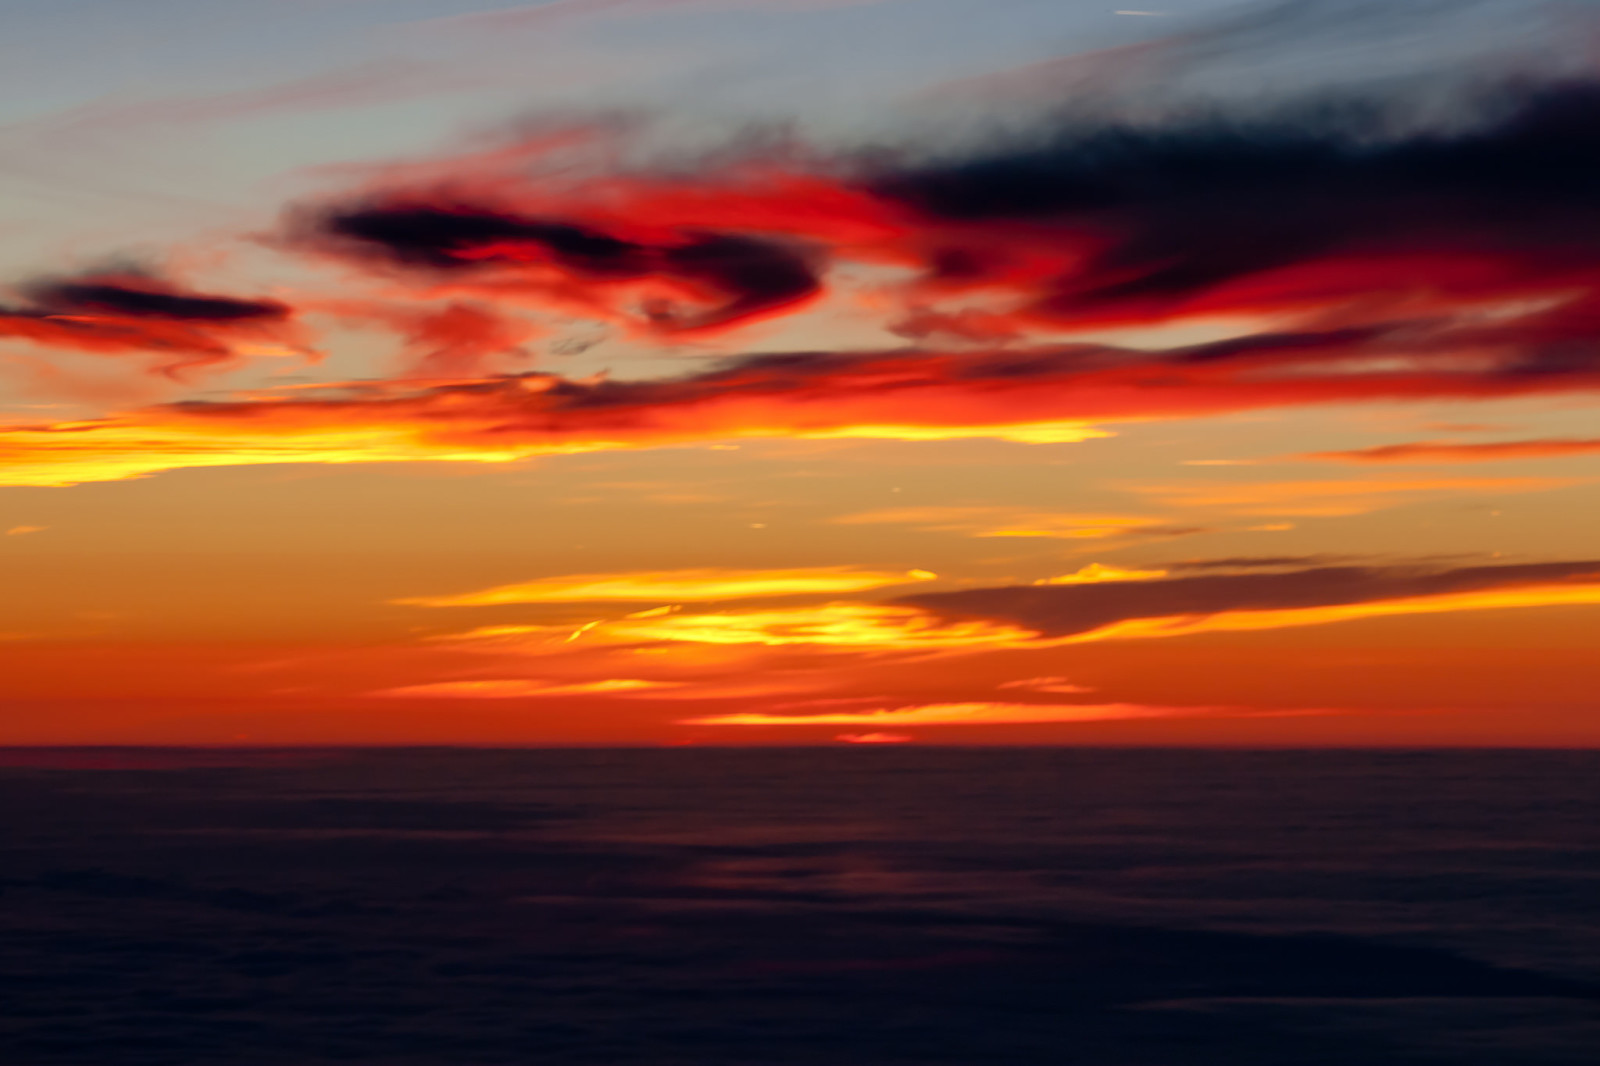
x,y
1360,259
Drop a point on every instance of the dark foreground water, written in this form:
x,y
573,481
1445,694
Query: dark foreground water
x,y
836,907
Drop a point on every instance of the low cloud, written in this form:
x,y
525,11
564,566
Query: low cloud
x,y
947,714
1180,605
1338,498
1057,685
1429,451
685,585
523,688
990,521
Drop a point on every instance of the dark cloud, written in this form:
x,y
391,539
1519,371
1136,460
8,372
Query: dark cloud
x,y
1062,610
135,313
1368,240
1177,212
459,237
149,300
743,275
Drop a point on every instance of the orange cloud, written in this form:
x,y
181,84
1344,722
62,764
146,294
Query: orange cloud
x,y
845,625
1336,498
1096,573
1041,616
494,420
1281,618
522,688
693,585
891,627
1057,685
1429,451
939,714
1014,522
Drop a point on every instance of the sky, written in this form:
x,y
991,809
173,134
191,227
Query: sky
x,y
667,372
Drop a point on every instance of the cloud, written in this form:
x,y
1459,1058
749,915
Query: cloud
x,y
1262,562
1040,616
1182,605
991,521
875,738
941,714
707,279
452,339
859,626
917,395
1430,451
1211,213
1336,498
523,688
686,585
1096,573
1058,685
129,312
19,531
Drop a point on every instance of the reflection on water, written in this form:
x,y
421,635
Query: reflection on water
x,y
848,907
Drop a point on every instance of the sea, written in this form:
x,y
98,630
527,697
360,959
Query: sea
x,y
842,906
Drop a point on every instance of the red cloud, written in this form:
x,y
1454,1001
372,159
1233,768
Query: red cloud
x,y
133,313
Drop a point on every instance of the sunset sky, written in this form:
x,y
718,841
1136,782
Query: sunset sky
x,y
800,371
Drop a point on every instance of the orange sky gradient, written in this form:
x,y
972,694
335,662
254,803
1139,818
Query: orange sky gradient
x,y
1146,427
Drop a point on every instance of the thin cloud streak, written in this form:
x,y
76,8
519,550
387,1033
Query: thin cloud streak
x,y
522,689
1339,497
1259,600
1432,451
676,585
953,714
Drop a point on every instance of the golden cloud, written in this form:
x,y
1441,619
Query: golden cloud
x,y
689,585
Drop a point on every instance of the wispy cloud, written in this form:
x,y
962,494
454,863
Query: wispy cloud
x,y
1057,685
949,714
679,585
1433,451
1177,606
523,688
1338,497
858,626
996,521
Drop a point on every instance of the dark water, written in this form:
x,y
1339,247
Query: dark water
x,y
837,907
